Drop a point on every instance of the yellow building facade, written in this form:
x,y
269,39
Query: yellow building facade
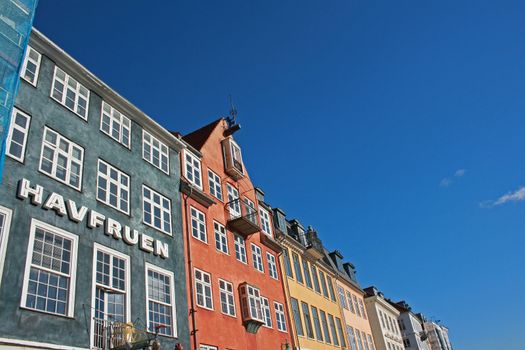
x,y
310,288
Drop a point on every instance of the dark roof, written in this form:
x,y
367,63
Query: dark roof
x,y
199,137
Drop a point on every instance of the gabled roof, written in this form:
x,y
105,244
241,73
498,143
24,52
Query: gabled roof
x,y
199,137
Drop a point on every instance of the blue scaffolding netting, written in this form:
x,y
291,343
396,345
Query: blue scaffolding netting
x,y
16,21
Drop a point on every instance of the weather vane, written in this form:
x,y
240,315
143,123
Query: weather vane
x,y
231,119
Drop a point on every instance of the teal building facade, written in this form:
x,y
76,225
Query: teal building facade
x,y
91,249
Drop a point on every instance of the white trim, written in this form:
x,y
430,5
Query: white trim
x,y
73,266
243,245
203,289
265,219
194,159
282,312
227,293
112,119
203,222
64,92
254,255
227,252
120,187
213,178
56,148
4,237
234,145
276,277
151,202
37,64
268,308
25,131
207,347
126,258
149,266
38,345
161,144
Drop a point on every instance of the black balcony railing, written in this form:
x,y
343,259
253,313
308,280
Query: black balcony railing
x,y
244,218
110,334
113,335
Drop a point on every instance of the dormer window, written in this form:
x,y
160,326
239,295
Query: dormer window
x,y
232,159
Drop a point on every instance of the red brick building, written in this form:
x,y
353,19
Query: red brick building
x,y
235,289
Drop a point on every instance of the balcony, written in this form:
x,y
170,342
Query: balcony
x,y
270,242
244,219
314,247
113,335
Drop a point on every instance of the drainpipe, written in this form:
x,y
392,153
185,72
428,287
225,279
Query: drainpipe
x,y
190,272
287,291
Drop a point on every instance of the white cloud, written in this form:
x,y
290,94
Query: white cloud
x,y
447,181
460,172
516,196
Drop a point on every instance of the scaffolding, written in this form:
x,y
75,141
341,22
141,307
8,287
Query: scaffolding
x,y
16,21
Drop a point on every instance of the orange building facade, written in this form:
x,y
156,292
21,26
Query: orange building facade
x,y
236,296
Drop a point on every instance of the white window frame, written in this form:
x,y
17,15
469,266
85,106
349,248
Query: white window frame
x,y
199,224
221,238
266,312
162,209
204,285
13,125
117,183
69,79
342,297
193,169
272,265
70,311
356,306
224,292
27,59
4,236
56,151
240,249
171,276
162,149
251,302
266,223
236,156
215,185
234,207
257,259
115,118
207,347
280,317
99,247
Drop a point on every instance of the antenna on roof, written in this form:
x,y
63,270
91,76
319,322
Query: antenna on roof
x,y
231,119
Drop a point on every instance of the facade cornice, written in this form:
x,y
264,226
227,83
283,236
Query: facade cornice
x,y
351,284
48,48
385,304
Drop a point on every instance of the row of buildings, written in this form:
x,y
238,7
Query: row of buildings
x,y
116,233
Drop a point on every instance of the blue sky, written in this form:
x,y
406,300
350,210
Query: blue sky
x,y
395,128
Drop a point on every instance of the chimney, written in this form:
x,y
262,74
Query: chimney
x,y
337,258
350,271
371,291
